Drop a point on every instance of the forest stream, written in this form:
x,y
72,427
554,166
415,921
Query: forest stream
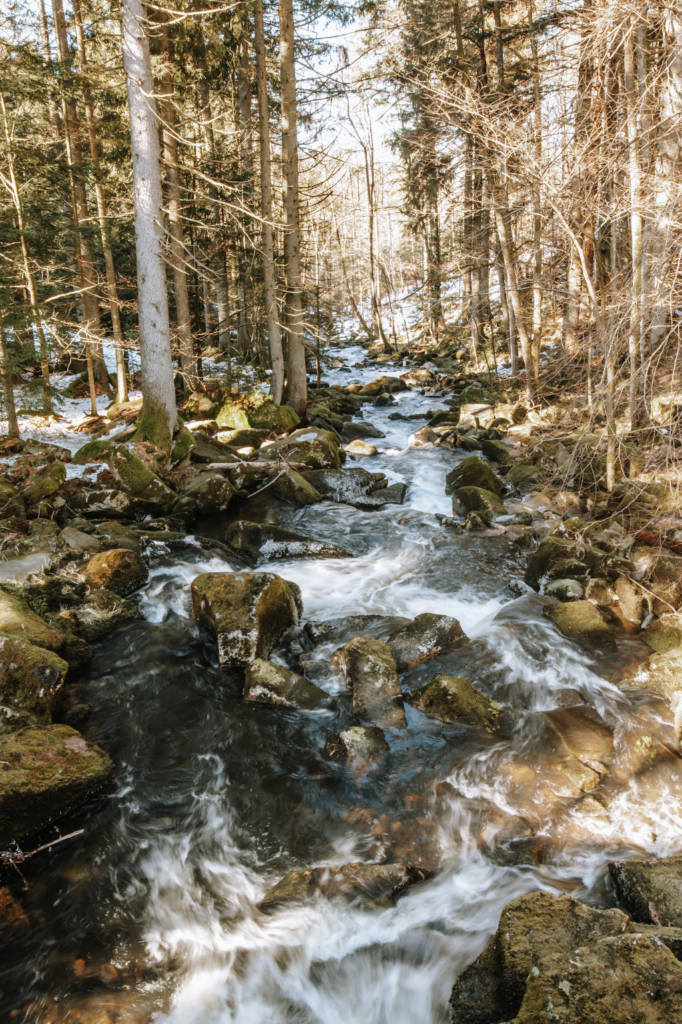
x,y
154,911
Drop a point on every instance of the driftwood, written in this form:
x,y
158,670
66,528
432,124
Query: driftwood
x,y
261,464
655,540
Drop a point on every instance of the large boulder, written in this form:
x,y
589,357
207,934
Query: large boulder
x,y
357,430
454,699
249,438
581,621
231,415
247,612
110,503
120,570
262,542
30,679
294,488
472,472
523,477
664,634
44,482
135,477
274,684
372,678
650,890
557,551
342,485
210,489
276,419
45,772
477,499
318,449
18,621
426,637
383,386
531,928
200,406
99,614
377,884
76,540
377,500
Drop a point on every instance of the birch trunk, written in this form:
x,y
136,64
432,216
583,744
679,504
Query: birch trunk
x,y
269,278
158,418
296,370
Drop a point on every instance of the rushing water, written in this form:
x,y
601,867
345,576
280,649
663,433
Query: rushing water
x,y
153,912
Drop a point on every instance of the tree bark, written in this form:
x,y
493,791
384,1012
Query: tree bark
x,y
7,390
636,231
269,278
296,370
158,417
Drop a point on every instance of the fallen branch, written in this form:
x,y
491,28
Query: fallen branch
x,y
15,856
258,463
655,540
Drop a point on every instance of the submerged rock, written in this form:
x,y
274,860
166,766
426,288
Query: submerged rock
x,y
579,734
372,678
664,674
30,680
247,612
341,630
557,551
454,699
664,634
119,570
393,495
581,621
275,684
101,613
427,636
359,743
45,772
651,890
531,928
378,884
261,542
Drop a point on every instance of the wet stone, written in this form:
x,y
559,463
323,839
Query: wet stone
x,y
293,488
375,884
360,448
372,678
586,779
340,630
664,634
393,495
17,620
454,699
477,499
579,735
275,684
355,430
264,543
358,743
580,620
101,613
119,570
472,472
247,612
30,680
427,636
342,485
565,590
651,890
423,437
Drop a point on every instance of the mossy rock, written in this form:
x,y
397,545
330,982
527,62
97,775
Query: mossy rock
x,y
100,613
454,699
523,477
200,406
30,679
557,551
477,499
262,542
250,438
498,451
372,677
44,773
276,419
664,634
231,415
425,637
580,620
472,472
182,445
211,490
44,482
93,451
294,488
318,449
275,684
651,890
119,570
19,622
138,480
247,612
11,503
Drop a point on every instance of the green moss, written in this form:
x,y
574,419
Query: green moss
x,y
93,451
294,488
153,425
580,620
477,499
182,445
232,415
17,620
30,679
472,472
275,418
44,482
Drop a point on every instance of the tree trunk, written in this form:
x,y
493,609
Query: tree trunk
x,y
7,390
636,232
158,418
269,278
177,235
296,369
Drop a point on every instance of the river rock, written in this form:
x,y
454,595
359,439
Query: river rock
x,y
531,928
210,489
18,621
651,890
372,678
243,438
360,448
247,612
664,634
565,590
523,477
30,679
359,743
342,485
383,385
454,699
581,621
663,672
200,406
294,488
341,630
113,534
100,613
318,449
275,684
120,570
498,451
135,477
354,430
45,772
426,637
393,495
276,419
423,437
616,981
577,733
477,499
377,884
12,509
110,503
472,472
476,414
43,482
556,552
264,543
79,541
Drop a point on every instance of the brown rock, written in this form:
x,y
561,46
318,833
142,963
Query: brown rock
x,y
276,684
378,884
372,677
119,570
424,638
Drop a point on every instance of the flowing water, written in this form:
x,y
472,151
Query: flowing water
x,y
153,912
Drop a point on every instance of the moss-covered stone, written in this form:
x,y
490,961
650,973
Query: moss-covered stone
x,y
211,490
18,621
651,890
454,699
581,621
314,447
44,482
200,406
247,612
119,570
45,772
274,684
426,637
358,743
183,443
372,678
137,479
261,542
524,478
294,488
30,679
472,472
498,451
113,534
554,551
250,438
93,451
377,884
231,415
100,613
111,503
12,507
276,419
664,634
477,499
359,429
